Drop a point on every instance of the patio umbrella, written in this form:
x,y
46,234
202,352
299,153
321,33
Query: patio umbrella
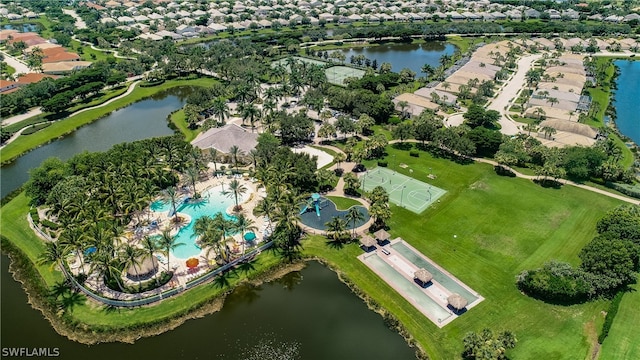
x,y
192,262
423,276
367,241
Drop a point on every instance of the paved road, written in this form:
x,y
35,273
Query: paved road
x,y
511,91
21,68
80,24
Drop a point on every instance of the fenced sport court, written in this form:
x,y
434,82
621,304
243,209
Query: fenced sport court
x,y
335,74
403,191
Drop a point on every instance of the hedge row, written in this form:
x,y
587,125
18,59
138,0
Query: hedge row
x,y
611,315
629,190
30,130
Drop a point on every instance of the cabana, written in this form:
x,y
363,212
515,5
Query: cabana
x,y
144,270
423,276
367,242
382,235
457,302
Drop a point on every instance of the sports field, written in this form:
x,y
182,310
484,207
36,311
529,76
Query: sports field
x,y
337,74
403,191
284,61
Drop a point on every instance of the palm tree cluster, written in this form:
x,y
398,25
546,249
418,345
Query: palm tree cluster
x,y
92,197
213,233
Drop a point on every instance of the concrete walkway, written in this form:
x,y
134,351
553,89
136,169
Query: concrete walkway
x,y
510,92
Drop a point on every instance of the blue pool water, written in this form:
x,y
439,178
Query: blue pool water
x,y
212,203
626,99
442,278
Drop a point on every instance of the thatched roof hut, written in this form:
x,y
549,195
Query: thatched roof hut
x,y
423,276
367,241
457,301
148,267
382,235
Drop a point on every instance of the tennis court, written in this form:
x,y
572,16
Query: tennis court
x,y
403,191
285,62
337,74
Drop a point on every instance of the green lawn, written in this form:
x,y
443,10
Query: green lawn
x,y
503,225
87,53
70,124
623,341
343,203
179,121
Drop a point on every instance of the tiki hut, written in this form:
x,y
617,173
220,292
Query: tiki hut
x,y
382,235
457,302
423,276
144,270
367,242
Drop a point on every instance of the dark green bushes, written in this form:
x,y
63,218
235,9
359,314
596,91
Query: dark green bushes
x,y
611,315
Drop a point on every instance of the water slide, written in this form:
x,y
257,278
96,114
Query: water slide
x,y
304,210
317,209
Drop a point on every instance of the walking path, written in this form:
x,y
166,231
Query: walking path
x,y
510,92
17,118
17,134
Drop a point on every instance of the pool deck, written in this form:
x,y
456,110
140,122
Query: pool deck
x,y
404,267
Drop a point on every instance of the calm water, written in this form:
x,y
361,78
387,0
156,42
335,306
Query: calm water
x,y
400,56
213,203
142,120
21,27
305,315
626,99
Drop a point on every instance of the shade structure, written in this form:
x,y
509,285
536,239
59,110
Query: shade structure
x,y
457,301
315,196
192,262
367,241
245,174
146,267
250,236
382,235
423,276
229,172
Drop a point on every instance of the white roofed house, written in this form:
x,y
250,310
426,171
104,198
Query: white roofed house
x,y
182,29
155,16
471,16
217,27
126,20
140,18
355,17
264,24
400,17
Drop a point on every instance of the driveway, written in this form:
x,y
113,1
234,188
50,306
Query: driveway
x,y
21,68
511,91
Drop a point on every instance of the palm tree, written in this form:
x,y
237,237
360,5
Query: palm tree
x,y
150,246
336,228
244,224
552,101
234,189
548,131
167,243
446,85
213,156
235,152
220,109
427,70
339,158
354,216
263,208
193,174
170,194
381,213
540,112
74,239
250,112
530,127
54,254
130,256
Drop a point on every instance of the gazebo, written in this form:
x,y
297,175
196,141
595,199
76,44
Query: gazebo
x,y
423,276
457,302
367,242
144,270
382,235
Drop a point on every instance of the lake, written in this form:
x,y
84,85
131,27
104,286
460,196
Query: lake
x,y
141,120
400,56
626,98
305,315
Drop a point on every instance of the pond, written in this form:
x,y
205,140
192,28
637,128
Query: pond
x,y
305,315
626,97
400,56
21,27
141,120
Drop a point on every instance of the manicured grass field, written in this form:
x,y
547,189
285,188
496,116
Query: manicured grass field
x,y
343,203
623,341
70,124
503,225
179,121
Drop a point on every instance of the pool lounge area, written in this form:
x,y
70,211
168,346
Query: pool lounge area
x,y
397,262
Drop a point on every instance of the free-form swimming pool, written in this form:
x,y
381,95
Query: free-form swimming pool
x,y
211,203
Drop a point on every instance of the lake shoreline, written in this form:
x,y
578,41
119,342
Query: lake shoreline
x,y
612,97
